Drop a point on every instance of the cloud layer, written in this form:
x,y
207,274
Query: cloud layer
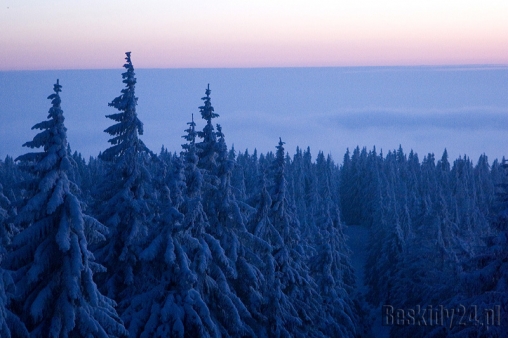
x,y
329,109
462,119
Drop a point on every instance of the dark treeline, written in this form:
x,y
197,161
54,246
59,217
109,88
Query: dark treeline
x,y
208,242
438,239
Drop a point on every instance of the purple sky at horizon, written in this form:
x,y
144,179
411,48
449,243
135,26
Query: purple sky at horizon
x,y
59,34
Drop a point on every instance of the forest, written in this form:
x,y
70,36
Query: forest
x,y
211,242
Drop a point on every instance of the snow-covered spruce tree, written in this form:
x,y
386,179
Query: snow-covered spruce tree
x,y
4,207
56,295
331,267
7,213
207,147
250,165
97,171
85,178
291,270
496,171
346,175
429,262
305,193
484,186
125,197
169,304
237,176
233,214
371,184
208,261
377,232
395,233
227,225
471,222
238,179
177,180
280,317
298,179
11,177
485,280
387,237
310,195
334,180
324,170
10,324
353,195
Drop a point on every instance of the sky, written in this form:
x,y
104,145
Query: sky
x,y
94,34
331,75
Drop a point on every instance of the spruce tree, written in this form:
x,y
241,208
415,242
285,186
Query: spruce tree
x,y
176,261
10,324
207,147
291,270
485,280
279,315
7,213
310,196
387,237
484,186
209,260
126,195
250,166
56,295
11,177
169,305
330,266
298,182
227,226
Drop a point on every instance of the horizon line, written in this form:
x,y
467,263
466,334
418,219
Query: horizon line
x,y
450,66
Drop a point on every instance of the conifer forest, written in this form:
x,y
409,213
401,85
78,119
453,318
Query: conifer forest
x,y
216,242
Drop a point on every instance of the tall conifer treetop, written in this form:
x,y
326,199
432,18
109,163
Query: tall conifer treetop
x,y
193,175
127,101
53,139
206,149
207,113
191,135
125,133
280,166
207,109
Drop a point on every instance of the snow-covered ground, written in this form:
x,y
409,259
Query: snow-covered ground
x,y
357,240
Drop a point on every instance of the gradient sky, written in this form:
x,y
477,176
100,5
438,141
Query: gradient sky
x,y
93,34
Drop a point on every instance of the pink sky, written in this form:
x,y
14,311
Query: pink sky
x,y
60,34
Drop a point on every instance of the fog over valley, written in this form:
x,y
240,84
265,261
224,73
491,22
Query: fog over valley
x,y
426,109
